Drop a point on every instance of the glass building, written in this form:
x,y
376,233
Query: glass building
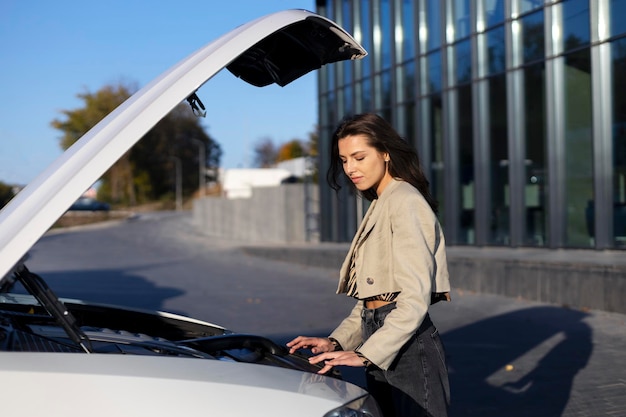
x,y
516,107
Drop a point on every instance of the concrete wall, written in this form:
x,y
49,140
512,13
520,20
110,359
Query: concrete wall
x,y
281,214
580,279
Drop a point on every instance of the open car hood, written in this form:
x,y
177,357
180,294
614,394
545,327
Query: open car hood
x,y
277,48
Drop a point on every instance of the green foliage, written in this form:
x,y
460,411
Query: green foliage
x,y
147,172
6,194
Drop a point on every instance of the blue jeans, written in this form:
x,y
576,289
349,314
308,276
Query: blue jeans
x,y
416,383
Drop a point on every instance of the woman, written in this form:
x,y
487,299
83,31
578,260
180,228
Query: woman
x,y
396,268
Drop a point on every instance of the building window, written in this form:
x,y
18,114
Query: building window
x,y
578,146
576,24
617,13
466,165
618,50
494,12
536,170
463,52
433,24
533,39
499,161
435,72
496,53
462,18
433,107
407,29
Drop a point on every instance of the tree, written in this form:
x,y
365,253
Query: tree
x,y
290,150
146,172
265,153
6,194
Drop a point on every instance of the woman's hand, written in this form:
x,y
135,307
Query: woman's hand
x,y
316,344
339,357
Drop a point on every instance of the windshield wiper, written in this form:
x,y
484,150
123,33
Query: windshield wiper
x,y
36,286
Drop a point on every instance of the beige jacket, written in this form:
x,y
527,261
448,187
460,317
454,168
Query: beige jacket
x,y
399,247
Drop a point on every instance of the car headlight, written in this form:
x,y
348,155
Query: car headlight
x,y
365,406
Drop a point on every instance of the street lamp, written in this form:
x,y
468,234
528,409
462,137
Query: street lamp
x,y
201,165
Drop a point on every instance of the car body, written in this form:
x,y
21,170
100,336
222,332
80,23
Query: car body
x,y
89,204
63,357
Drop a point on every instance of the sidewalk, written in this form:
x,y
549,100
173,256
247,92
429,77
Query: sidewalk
x,y
515,357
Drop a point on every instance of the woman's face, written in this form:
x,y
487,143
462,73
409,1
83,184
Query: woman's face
x,y
364,164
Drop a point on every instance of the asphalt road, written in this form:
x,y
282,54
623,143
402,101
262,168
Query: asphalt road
x,y
507,357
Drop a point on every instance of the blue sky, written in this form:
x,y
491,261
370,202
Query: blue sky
x,y
53,50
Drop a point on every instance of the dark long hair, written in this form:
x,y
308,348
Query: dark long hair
x,y
404,161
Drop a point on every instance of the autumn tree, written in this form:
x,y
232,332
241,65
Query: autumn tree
x,y
290,150
146,172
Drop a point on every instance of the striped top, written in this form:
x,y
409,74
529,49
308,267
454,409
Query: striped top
x,y
354,292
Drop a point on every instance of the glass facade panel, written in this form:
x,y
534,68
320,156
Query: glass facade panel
x,y
386,90
499,161
535,200
434,108
409,80
578,146
394,92
533,39
494,12
435,72
528,5
366,33
433,23
617,12
496,53
618,51
466,166
576,24
462,18
463,53
408,29
385,33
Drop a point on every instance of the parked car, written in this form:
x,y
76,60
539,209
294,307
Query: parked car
x,y
61,357
89,204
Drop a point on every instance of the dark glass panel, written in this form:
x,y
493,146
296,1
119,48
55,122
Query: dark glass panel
x,y
496,50
463,54
466,166
533,36
576,24
536,169
499,161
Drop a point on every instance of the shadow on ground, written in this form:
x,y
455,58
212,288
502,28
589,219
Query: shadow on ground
x,y
522,363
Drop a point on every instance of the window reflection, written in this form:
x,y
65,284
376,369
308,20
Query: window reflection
x,y
463,51
496,54
494,12
435,76
462,19
466,165
618,50
433,106
408,29
576,25
532,36
499,161
536,170
433,23
366,30
617,12
578,146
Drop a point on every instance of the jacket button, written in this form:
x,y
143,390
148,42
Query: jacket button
x,y
370,281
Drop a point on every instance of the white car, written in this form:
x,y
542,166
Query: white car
x,y
72,358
